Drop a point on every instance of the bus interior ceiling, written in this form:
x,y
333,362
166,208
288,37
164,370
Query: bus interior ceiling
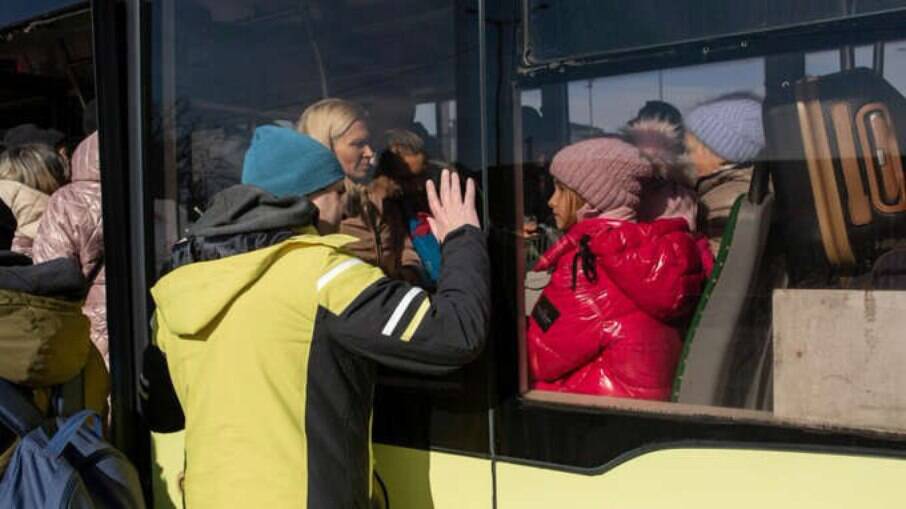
x,y
47,73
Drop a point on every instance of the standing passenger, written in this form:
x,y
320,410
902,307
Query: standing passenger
x,y
405,160
273,341
370,214
30,134
724,137
73,227
29,174
342,127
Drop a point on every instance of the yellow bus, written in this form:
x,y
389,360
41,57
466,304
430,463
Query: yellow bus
x,y
789,392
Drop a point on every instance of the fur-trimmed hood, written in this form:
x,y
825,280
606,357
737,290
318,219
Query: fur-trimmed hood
x,y
662,144
379,188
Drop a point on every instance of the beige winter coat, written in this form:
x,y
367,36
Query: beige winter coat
x,y
717,193
72,226
28,205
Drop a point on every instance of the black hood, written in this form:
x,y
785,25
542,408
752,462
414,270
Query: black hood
x,y
240,219
60,278
248,209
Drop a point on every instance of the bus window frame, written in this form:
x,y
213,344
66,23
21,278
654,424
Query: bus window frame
x,y
817,37
537,428
119,34
721,42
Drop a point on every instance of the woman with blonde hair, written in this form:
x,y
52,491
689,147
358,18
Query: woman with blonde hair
x,y
372,213
342,127
29,174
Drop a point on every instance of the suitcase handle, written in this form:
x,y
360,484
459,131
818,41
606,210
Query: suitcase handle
x,y
879,136
883,158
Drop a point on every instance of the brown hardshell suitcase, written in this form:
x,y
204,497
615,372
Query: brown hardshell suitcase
x,y
835,148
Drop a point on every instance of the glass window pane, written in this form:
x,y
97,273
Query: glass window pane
x,y
219,69
590,27
586,236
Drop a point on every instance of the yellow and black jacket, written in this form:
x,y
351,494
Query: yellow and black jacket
x,y
272,338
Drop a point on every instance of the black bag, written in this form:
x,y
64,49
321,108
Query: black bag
x,y
835,143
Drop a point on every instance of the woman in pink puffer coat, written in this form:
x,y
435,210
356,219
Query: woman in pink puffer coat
x,y
72,227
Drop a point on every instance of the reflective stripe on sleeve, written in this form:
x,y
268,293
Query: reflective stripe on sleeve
x,y
401,308
336,271
416,320
340,285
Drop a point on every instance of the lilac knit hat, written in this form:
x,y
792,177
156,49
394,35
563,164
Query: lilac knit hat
x,y
730,125
606,172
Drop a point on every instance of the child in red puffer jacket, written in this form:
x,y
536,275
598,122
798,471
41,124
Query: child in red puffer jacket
x,y
624,281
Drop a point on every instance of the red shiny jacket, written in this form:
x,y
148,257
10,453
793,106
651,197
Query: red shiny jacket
x,y
610,321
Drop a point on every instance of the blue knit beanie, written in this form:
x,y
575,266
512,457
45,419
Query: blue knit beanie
x,y
284,162
730,126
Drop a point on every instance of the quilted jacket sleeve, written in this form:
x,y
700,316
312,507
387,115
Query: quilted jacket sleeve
x,y
57,235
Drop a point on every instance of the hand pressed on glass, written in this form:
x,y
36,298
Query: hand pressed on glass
x,y
451,209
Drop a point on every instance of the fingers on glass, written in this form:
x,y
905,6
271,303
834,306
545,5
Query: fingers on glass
x,y
470,193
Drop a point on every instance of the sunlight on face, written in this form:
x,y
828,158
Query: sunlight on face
x,y
353,150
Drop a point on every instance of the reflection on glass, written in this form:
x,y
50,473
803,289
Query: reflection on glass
x,y
845,131
219,69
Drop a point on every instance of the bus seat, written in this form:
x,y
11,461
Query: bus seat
x,y
725,356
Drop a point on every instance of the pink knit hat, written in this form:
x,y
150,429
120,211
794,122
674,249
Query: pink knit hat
x,y
606,172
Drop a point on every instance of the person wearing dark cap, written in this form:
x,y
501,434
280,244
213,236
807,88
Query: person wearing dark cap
x,y
660,111
30,134
263,319
26,134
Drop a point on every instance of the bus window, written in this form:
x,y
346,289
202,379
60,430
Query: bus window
x,y
760,130
221,69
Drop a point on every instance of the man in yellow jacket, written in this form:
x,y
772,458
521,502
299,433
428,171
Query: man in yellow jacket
x,y
272,332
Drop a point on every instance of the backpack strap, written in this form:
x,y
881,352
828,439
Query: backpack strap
x,y
69,397
17,412
67,434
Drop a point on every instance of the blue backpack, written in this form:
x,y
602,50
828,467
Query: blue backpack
x,y
62,463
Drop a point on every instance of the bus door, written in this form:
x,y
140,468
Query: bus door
x,y
217,70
